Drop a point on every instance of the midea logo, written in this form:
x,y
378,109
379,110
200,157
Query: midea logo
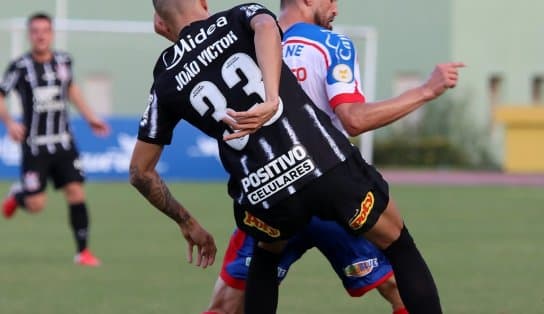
x,y
171,59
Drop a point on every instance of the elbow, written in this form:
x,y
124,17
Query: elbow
x,y
354,127
136,177
352,131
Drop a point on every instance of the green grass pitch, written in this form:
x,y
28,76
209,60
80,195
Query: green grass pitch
x,y
483,244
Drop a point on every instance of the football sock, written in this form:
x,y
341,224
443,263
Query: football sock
x,y
262,282
414,280
79,222
20,199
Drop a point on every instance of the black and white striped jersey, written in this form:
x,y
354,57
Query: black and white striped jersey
x,y
43,89
213,67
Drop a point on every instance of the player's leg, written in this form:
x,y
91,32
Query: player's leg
x,y
67,174
78,213
414,279
359,264
79,223
415,282
226,299
389,291
272,228
228,294
29,193
262,282
30,202
360,186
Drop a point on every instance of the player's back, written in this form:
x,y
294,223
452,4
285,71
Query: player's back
x,y
213,66
325,64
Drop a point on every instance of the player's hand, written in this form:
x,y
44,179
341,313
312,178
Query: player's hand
x,y
195,235
443,77
248,122
16,131
99,127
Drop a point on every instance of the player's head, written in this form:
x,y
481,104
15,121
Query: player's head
x,y
40,32
171,15
160,27
319,12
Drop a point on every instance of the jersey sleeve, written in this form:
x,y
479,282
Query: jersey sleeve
x,y
343,75
70,66
10,79
247,12
157,123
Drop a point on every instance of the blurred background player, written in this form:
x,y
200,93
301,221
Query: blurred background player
x,y
330,81
43,80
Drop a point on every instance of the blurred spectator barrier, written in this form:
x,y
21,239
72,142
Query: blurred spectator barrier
x,y
191,157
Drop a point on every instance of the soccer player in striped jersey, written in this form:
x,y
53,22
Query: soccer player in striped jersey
x,y
43,80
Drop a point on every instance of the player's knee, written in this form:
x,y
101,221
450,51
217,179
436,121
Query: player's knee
x,y
74,193
35,204
388,287
388,227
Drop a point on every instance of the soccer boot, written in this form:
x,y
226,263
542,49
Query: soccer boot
x,y
9,204
86,258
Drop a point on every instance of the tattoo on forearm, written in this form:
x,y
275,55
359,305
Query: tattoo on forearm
x,y
158,194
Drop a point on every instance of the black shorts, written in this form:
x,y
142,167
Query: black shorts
x,y
62,167
353,193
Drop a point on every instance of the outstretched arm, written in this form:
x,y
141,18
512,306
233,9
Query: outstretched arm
x,y
358,118
98,126
147,181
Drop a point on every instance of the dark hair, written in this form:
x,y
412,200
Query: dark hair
x,y
39,16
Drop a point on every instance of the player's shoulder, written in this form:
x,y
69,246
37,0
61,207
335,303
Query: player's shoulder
x,y
169,58
62,56
313,31
338,48
20,62
249,9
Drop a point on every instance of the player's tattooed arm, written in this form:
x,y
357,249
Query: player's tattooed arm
x,y
153,188
147,181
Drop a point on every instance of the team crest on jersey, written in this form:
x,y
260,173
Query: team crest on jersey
x,y
361,215
63,73
255,222
362,268
251,9
342,73
49,76
31,181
